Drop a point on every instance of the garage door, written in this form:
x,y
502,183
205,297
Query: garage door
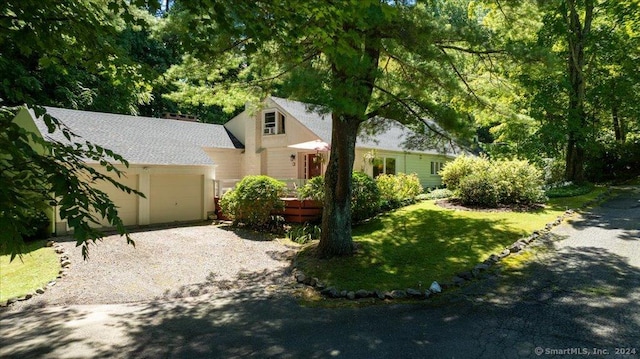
x,y
127,203
175,198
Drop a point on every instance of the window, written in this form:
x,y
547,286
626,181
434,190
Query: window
x,y
386,165
436,167
273,123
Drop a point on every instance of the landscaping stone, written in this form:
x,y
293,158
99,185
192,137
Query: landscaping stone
x,y
300,277
66,263
40,291
379,294
435,287
313,282
398,294
457,281
50,243
465,275
28,296
427,294
504,253
362,293
413,292
343,293
482,267
320,285
351,295
331,292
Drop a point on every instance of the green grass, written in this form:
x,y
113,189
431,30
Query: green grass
x,y
423,242
571,190
37,266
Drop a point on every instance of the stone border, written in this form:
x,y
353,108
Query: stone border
x,y
458,280
65,264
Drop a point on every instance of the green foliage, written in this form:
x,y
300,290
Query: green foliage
x,y
617,161
517,182
553,171
365,197
454,171
36,173
569,190
313,189
438,194
478,189
304,233
395,189
253,199
479,181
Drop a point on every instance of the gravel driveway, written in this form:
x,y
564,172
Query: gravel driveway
x,y
168,263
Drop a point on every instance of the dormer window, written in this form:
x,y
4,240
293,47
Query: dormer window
x,y
273,123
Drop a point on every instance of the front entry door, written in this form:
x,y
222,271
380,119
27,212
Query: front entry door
x,y
314,165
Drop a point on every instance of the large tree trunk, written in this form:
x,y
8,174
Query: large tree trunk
x,y
618,124
336,216
576,116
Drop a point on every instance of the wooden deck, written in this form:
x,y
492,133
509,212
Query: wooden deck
x,y
295,210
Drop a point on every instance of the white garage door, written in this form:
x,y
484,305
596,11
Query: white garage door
x,y
176,198
127,203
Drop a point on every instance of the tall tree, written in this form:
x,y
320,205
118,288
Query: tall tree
x,y
358,59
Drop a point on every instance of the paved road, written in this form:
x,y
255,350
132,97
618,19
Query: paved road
x,y
581,292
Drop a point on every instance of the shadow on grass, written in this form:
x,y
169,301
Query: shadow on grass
x,y
411,249
580,298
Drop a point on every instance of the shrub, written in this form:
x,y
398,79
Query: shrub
x,y
36,226
438,194
253,200
454,171
313,189
488,183
365,196
478,189
517,182
394,189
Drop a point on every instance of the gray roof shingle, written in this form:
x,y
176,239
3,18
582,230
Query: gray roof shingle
x,y
392,139
144,140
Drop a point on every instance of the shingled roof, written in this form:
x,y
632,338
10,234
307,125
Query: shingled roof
x,y
144,140
392,139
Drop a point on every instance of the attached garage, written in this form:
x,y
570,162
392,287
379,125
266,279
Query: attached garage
x,y
127,203
176,197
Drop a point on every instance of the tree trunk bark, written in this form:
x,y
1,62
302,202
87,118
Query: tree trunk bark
x,y
576,116
618,124
336,216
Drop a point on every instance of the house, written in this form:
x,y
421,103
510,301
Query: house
x,y
182,165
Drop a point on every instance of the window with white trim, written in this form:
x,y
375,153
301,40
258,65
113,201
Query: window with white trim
x,y
436,167
384,165
273,123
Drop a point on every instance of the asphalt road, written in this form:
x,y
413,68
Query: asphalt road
x,y
579,295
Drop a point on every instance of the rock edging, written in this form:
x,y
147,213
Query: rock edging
x,y
477,272
65,264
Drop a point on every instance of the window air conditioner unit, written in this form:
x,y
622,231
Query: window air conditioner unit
x,y
269,131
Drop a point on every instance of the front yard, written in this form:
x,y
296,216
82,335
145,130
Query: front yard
x,y
413,246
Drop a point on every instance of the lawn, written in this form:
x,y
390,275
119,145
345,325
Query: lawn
x,y
38,265
413,246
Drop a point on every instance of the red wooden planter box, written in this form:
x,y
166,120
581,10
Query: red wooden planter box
x,y
295,210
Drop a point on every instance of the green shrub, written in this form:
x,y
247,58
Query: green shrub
x,y
454,171
36,226
437,194
395,189
365,196
478,189
479,181
313,189
517,182
253,200
304,233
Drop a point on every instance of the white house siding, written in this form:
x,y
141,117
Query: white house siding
x,y
229,163
279,164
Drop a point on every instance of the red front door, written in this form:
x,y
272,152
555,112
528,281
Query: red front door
x,y
314,166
